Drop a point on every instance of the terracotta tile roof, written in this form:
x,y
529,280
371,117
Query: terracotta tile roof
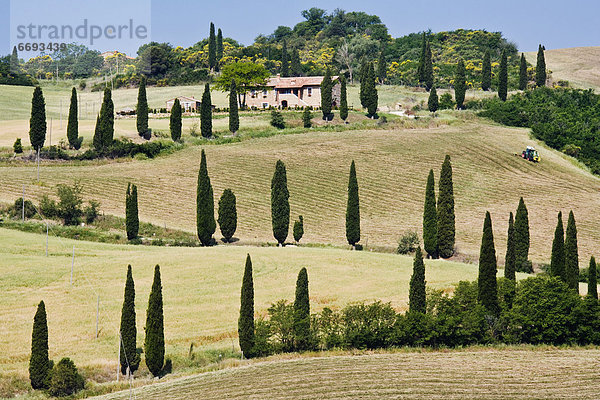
x,y
184,98
296,82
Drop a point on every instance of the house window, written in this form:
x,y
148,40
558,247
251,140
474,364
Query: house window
x,y
285,91
253,93
265,105
309,91
265,94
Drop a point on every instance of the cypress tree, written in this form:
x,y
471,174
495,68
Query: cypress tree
x,y
206,113
522,238
592,280
343,99
280,203
132,222
302,336
14,61
433,101
381,66
154,344
73,123
460,85
523,73
363,76
486,72
306,118
39,363
353,209
571,254
107,119
503,77
128,330
37,123
142,109
205,206
445,211
175,121
421,67
428,72
296,64
540,68
372,96
246,320
486,283
227,214
557,260
416,296
430,234
326,96
298,230
509,261
234,117
97,140
212,48
285,61
219,48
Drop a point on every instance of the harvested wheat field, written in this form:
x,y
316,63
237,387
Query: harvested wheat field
x,y
476,374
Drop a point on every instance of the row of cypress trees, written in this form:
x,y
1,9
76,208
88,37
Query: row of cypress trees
x,y
301,326
215,48
564,260
369,97
290,65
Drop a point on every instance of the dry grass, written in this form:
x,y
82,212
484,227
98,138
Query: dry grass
x,y
578,65
201,288
511,373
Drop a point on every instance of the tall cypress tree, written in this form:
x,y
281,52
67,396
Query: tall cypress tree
x,y
592,280
381,66
219,48
433,101
421,67
154,344
363,76
416,297
307,118
430,234
523,73
522,238
128,347
205,205
175,121
142,109
445,211
132,222
246,320
206,113
509,260
73,123
460,85
343,98
353,209
486,283
372,96
37,123
302,336
107,119
298,230
40,365
285,61
227,214
540,68
296,64
212,48
280,203
97,140
571,254
503,77
428,67
14,61
486,72
234,116
557,260
326,96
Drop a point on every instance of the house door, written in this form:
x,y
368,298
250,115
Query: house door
x,y
284,103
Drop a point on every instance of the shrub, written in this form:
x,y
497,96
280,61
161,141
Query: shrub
x,y
91,212
17,209
368,325
48,207
65,379
18,147
281,326
408,243
69,205
277,120
446,102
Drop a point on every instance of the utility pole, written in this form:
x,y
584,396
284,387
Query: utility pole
x,y
23,203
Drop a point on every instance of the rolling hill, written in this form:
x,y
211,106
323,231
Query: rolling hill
x,y
578,65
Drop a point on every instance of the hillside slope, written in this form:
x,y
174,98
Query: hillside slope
x,y
578,65
483,374
392,167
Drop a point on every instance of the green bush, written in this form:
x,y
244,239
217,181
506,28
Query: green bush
x,y
446,102
69,205
65,379
277,120
18,147
368,325
91,212
16,211
408,243
48,207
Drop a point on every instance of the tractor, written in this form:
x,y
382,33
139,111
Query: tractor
x,y
531,154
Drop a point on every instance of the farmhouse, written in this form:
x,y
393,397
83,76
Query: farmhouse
x,y
188,103
291,92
